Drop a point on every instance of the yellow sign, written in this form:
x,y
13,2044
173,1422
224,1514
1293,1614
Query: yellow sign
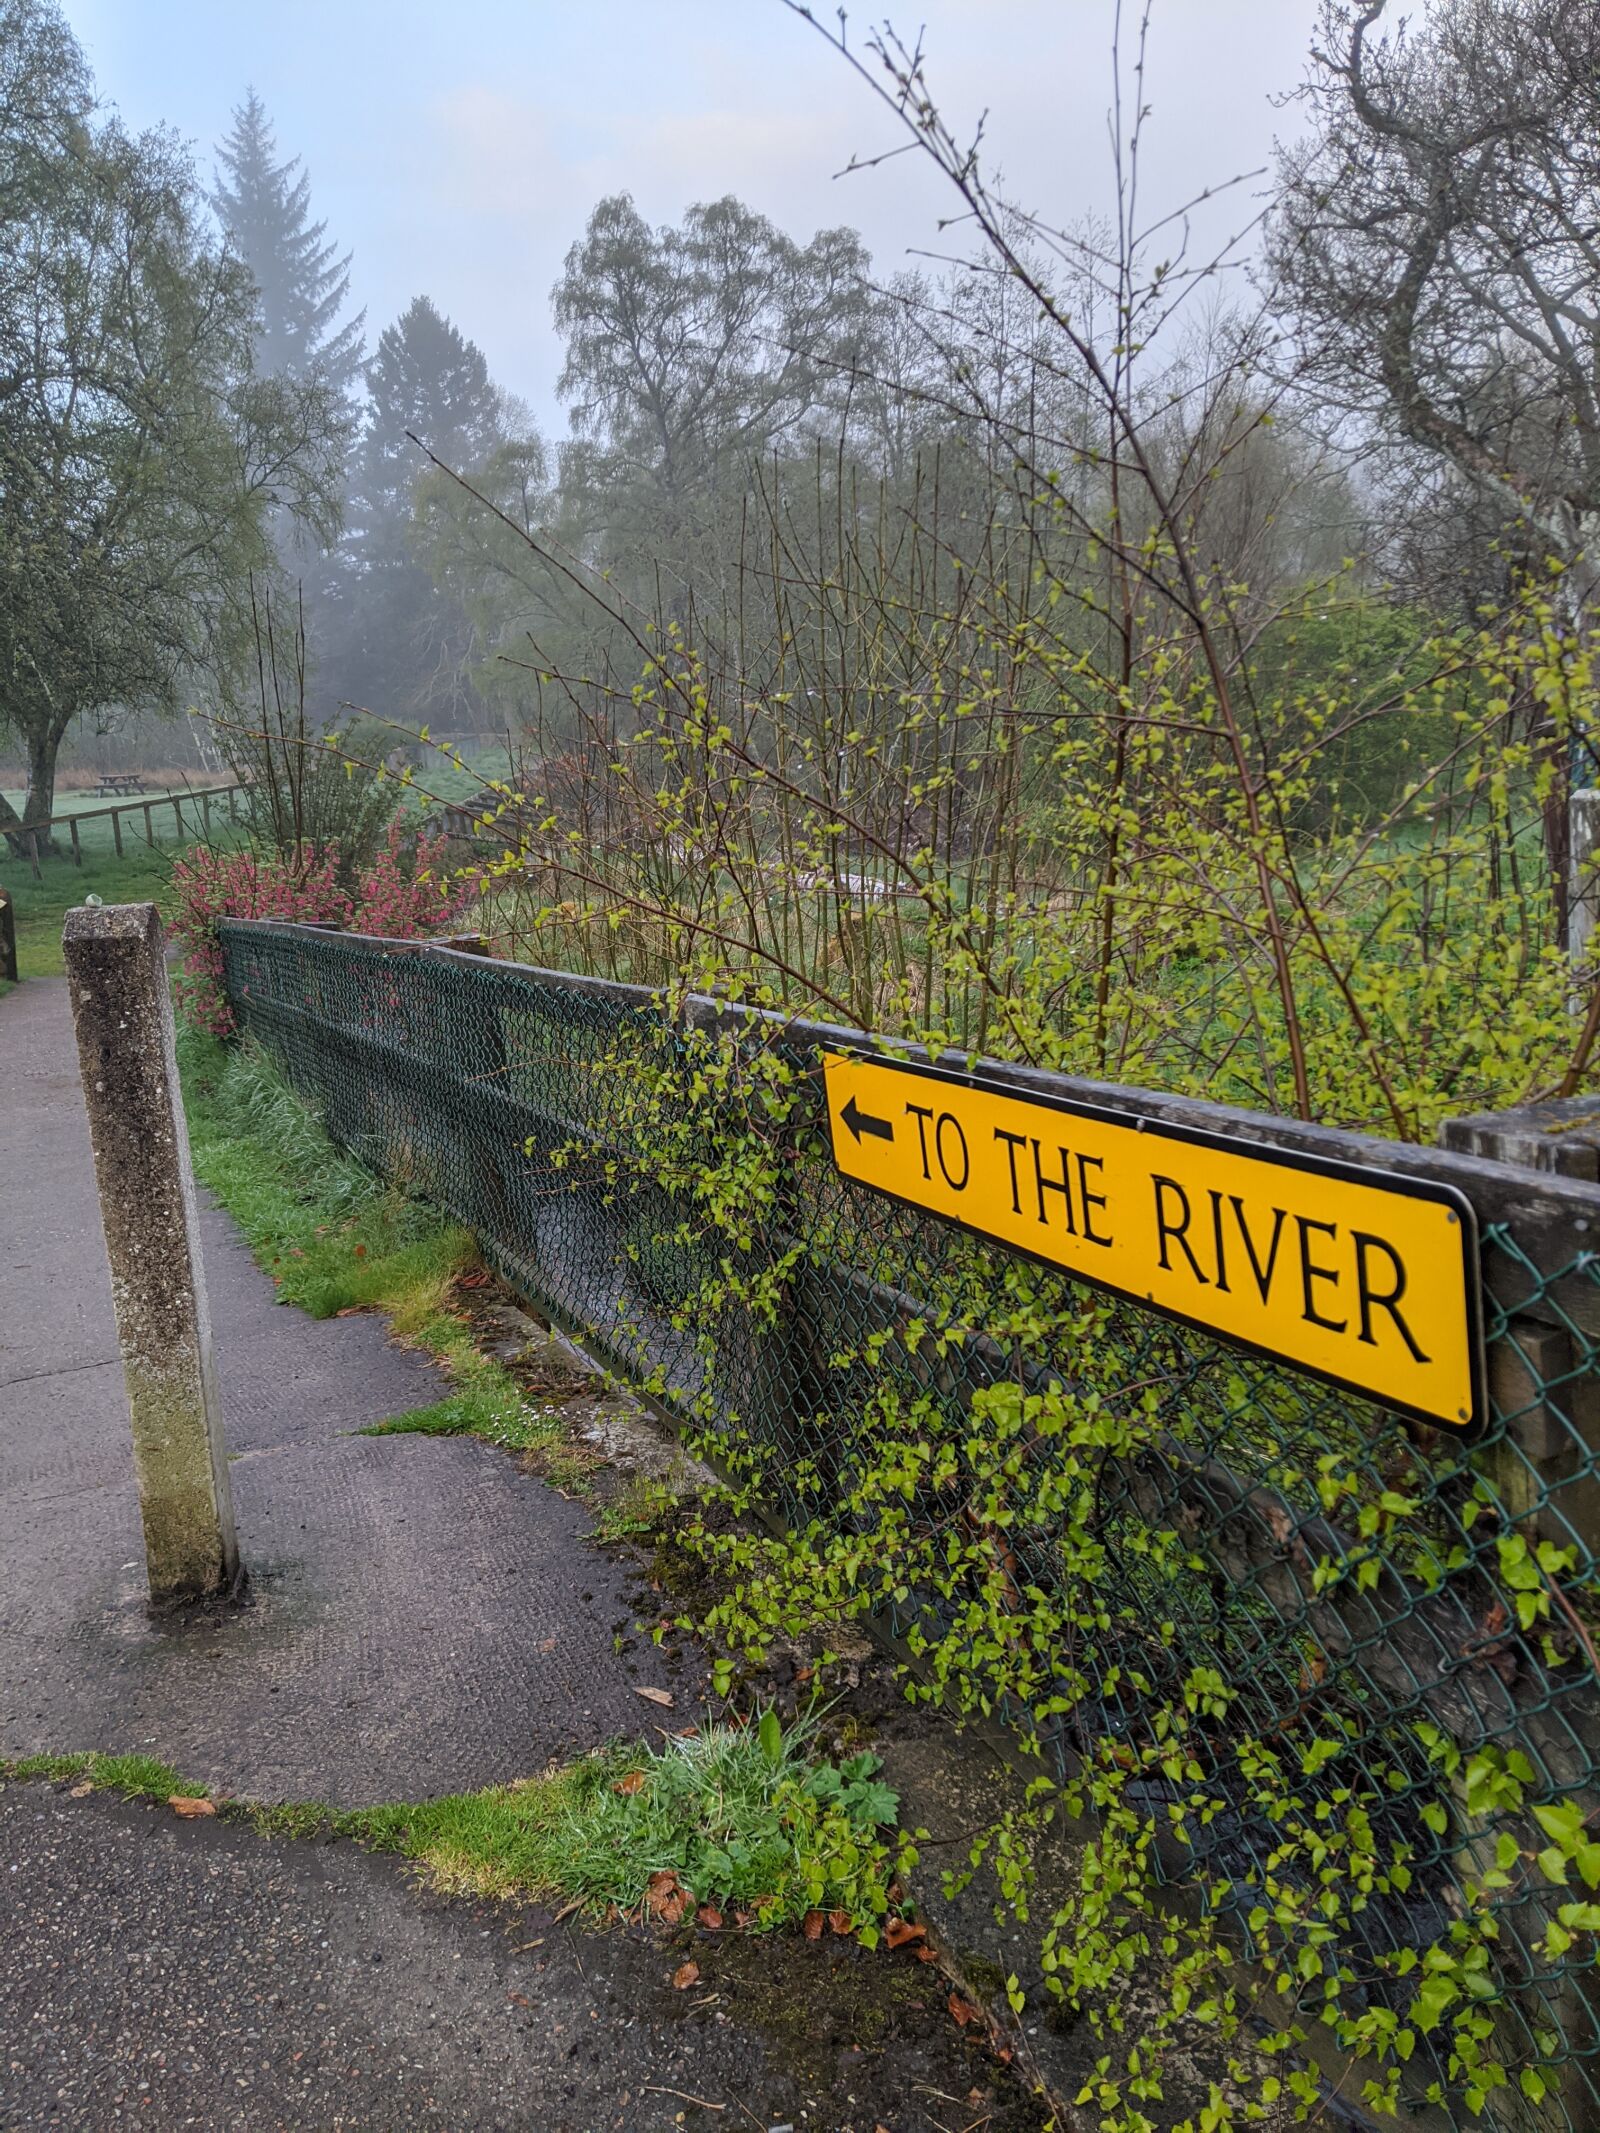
x,y
1362,1277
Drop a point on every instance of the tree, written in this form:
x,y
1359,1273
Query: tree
x,y
1436,234
140,453
264,206
691,352
405,638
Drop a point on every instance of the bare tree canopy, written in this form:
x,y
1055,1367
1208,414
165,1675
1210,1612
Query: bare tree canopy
x,y
1438,237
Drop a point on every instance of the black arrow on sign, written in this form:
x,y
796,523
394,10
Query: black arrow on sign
x,y
860,1122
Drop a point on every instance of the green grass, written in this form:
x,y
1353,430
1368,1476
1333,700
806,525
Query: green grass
x,y
334,1238
744,1817
741,1817
135,1777
41,906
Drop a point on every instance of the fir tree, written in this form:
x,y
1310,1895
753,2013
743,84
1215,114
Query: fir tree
x,y
264,206
406,640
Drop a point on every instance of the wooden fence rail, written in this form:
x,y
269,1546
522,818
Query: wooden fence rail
x,y
198,801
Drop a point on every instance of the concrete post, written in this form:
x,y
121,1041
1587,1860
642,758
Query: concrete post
x,y
123,1013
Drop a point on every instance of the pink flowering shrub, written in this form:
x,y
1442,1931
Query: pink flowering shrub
x,y
391,898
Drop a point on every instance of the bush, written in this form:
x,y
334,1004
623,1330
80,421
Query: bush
x,y
399,895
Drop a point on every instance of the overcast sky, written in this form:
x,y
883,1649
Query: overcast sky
x,y
456,147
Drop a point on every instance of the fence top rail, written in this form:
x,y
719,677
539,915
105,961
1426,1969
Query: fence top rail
x,y
148,799
1540,1205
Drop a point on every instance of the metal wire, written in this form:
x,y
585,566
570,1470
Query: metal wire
x,y
512,1098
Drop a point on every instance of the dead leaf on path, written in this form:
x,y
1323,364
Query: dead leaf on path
x,y
548,1644
635,1781
742,1918
81,1792
841,1922
519,1999
962,2012
899,1932
710,1917
182,1804
685,1975
811,1925
925,1954
352,1311
660,1696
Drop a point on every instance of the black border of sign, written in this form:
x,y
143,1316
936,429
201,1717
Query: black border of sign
x,y
1449,1196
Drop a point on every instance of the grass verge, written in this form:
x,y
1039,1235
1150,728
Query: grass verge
x,y
42,905
744,1824
335,1239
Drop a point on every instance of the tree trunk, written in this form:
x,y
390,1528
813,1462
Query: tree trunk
x,y
44,745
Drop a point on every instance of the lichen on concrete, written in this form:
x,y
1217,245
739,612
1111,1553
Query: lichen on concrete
x,y
122,1010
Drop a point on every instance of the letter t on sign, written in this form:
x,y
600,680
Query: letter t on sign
x,y
120,1004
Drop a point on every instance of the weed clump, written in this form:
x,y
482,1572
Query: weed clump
x,y
740,1821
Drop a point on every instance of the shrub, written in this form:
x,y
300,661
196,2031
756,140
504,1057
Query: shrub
x,y
399,895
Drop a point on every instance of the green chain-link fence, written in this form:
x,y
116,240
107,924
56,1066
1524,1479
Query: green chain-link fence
x,y
514,1098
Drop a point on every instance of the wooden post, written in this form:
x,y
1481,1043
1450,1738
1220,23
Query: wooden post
x,y
205,814
116,829
33,854
233,803
149,830
8,939
77,848
177,816
123,1012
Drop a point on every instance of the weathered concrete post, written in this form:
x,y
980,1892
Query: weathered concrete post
x,y
123,1014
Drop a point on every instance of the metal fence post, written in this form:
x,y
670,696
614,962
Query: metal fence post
x,y
123,1014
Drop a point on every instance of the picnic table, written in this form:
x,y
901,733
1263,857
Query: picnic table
x,y
119,784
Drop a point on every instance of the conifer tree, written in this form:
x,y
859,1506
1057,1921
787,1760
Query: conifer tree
x,y
405,643
264,205
428,379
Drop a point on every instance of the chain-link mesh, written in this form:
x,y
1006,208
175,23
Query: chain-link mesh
x,y
519,1100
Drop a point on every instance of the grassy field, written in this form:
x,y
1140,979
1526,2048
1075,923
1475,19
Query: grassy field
x,y
41,905
97,837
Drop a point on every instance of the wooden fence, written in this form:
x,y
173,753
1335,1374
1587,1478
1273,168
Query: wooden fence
x,y
198,801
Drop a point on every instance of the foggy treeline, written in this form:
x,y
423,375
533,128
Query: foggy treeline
x,y
1000,561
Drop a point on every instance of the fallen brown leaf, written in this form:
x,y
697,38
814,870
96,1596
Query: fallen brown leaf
x,y
710,1917
899,1932
685,1975
81,1792
352,1311
665,1897
841,1922
811,1925
660,1696
635,1781
744,1918
925,1954
547,1644
519,1999
182,1804
962,2011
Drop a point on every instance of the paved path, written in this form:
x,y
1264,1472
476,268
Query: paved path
x,y
425,1618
